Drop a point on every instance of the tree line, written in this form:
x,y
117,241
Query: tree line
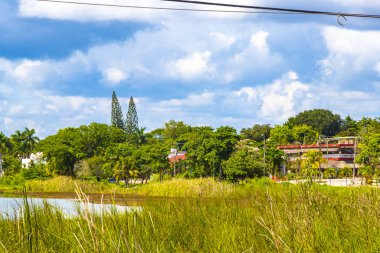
x,y
125,152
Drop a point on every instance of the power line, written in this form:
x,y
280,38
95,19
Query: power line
x,y
261,9
165,8
339,14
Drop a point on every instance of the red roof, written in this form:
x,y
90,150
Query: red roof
x,y
342,145
177,158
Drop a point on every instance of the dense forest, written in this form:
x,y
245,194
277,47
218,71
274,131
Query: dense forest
x,y
124,151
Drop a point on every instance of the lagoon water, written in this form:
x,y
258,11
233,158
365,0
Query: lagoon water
x,y
10,207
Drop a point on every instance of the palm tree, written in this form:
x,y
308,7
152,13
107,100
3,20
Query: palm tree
x,y
25,142
19,144
313,159
30,140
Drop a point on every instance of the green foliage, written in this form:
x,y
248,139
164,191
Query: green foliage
x,y
323,121
36,171
174,129
257,133
304,134
132,121
311,163
329,173
24,142
274,158
70,145
242,164
117,119
282,135
369,155
349,127
207,149
201,146
11,165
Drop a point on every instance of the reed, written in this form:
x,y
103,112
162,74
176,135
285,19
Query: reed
x,y
271,218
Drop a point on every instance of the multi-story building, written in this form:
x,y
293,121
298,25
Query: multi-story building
x,y
337,152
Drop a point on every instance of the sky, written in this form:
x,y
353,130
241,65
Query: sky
x,y
59,63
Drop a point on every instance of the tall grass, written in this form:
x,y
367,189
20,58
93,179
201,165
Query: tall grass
x,y
196,188
68,184
272,218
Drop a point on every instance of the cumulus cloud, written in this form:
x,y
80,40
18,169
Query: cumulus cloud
x,y
192,66
224,41
350,52
114,76
279,100
226,58
259,40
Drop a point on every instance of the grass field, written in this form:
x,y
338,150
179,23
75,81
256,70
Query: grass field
x,y
256,217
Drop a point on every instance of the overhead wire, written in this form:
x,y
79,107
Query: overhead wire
x,y
164,8
359,15
242,8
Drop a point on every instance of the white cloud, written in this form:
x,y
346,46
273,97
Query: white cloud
x,y
32,8
377,68
114,76
279,100
193,100
193,66
259,40
350,52
223,40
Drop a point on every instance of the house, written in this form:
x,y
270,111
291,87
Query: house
x,y
33,158
176,156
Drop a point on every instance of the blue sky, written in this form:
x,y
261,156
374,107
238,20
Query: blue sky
x,y
60,63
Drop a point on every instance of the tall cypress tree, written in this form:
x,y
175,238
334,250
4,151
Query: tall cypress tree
x,y
132,121
116,113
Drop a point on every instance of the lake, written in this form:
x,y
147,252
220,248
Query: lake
x,y
12,206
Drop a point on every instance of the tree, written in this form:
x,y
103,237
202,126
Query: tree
x,y
19,144
201,145
174,129
323,121
3,145
61,153
132,121
274,158
304,134
24,142
257,132
349,127
282,135
311,163
243,163
30,140
369,156
116,113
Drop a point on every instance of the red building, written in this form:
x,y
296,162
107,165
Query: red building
x,y
176,155
337,152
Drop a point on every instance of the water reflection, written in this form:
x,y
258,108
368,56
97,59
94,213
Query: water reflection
x,y
10,207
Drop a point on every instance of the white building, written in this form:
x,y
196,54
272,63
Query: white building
x,y
35,158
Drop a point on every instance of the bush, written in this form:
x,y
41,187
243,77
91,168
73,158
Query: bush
x,y
34,172
291,176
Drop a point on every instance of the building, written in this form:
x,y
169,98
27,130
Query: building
x,y
34,158
337,152
176,155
